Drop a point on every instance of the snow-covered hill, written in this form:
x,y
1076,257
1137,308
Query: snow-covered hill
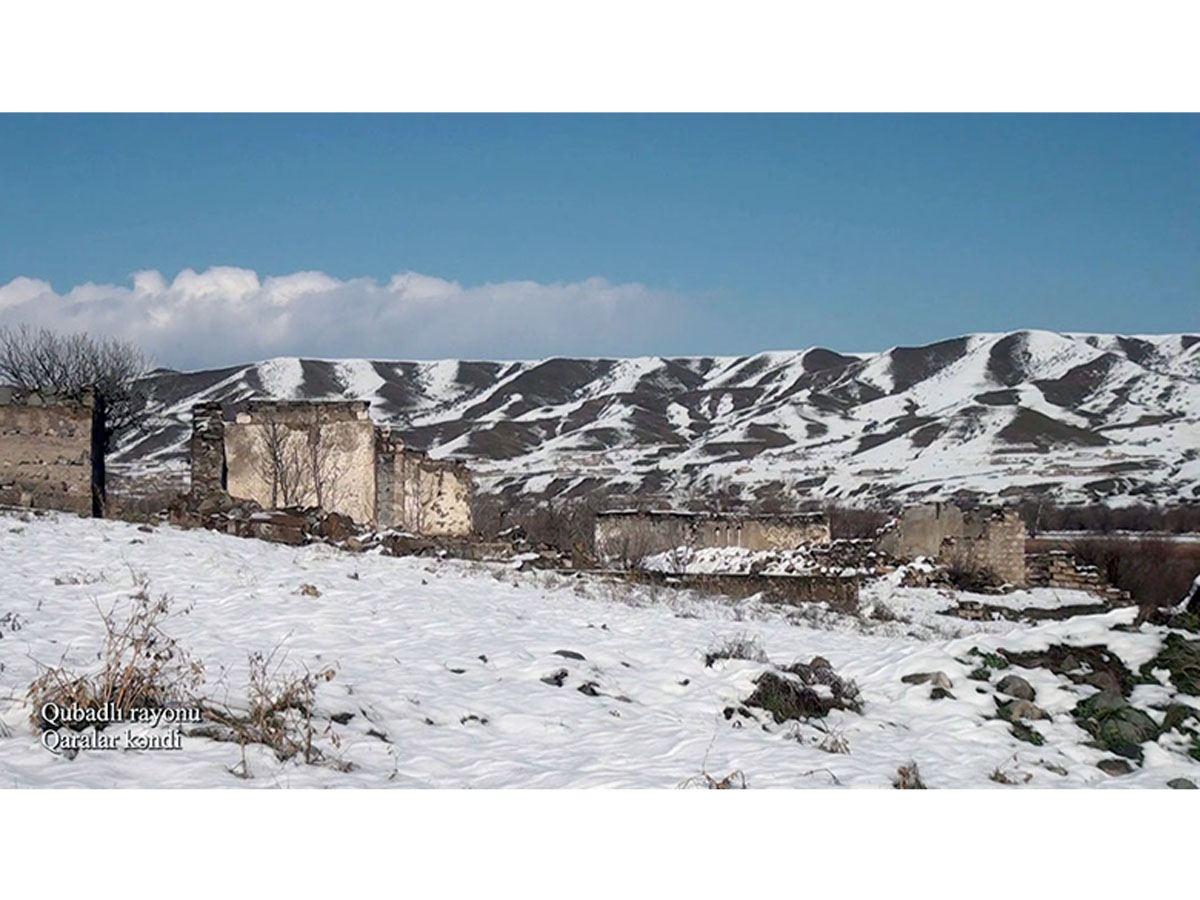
x,y
455,674
1079,417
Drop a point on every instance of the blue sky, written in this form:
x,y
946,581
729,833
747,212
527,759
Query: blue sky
x,y
732,233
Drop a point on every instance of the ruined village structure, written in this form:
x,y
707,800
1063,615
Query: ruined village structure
x,y
51,452
328,454
989,540
624,536
281,455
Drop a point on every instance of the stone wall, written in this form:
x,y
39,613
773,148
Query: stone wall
x,y
841,593
625,537
271,451
303,453
421,495
1060,569
52,452
207,449
993,540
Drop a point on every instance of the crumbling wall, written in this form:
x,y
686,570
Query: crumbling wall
x,y
1061,570
993,540
207,449
421,495
52,452
303,453
625,537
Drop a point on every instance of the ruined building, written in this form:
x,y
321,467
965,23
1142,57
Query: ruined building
x,y
52,451
992,540
284,453
626,536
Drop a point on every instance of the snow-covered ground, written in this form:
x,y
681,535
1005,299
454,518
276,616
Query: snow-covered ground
x,y
440,665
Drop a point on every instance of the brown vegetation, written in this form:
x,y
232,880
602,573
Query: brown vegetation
x,y
1156,572
140,667
1098,518
44,361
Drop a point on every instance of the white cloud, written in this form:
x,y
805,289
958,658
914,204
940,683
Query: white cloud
x,y
226,315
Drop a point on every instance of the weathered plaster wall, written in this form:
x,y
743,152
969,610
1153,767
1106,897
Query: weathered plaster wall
x,y
344,436
419,494
625,537
989,539
51,452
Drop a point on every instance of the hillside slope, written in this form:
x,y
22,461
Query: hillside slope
x,y
1077,417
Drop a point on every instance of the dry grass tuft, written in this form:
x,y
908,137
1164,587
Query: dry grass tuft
x,y
279,713
908,778
140,667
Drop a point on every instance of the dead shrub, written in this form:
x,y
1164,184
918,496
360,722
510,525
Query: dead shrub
x,y
833,740
567,525
881,612
908,778
1010,773
735,780
968,575
740,646
279,713
141,667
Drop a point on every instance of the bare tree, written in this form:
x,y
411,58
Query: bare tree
x,y
280,464
45,361
299,461
324,471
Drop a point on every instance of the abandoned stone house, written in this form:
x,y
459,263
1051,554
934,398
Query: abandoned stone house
x,y
329,454
987,539
623,537
52,451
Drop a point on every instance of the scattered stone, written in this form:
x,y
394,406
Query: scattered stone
x,y
939,693
482,720
1116,726
1016,686
570,654
1114,767
1026,733
1020,710
342,718
1181,658
787,698
308,590
336,527
937,679
1181,784
1094,664
556,679
1177,718
589,689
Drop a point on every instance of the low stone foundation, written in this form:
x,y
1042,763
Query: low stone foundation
x,y
840,592
1060,569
